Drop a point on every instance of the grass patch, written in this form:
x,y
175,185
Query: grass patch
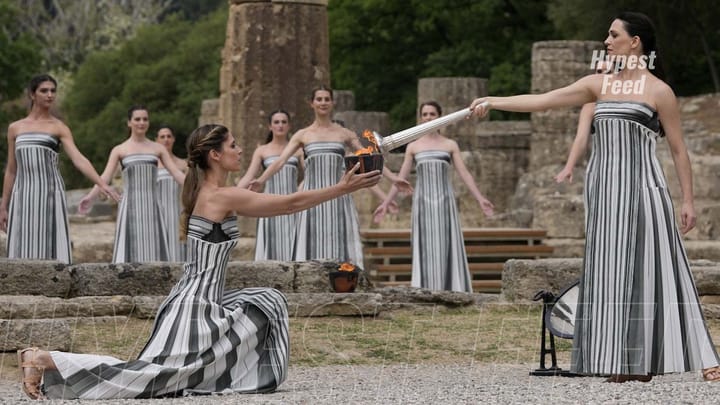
x,y
492,334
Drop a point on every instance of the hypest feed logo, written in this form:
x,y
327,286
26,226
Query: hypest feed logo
x,y
618,63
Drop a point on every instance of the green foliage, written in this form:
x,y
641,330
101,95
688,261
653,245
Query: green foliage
x,y
192,10
379,49
170,68
19,61
69,29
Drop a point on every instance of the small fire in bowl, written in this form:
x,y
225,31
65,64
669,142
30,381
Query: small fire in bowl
x,y
368,157
345,278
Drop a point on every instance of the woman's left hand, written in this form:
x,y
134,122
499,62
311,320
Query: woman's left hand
x,y
403,186
687,218
487,207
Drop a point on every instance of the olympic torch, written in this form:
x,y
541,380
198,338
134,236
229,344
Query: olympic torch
x,y
390,142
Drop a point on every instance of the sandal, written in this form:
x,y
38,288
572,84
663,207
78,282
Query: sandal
x,y
31,383
711,374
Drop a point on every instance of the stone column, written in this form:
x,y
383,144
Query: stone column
x,y
209,112
276,52
556,64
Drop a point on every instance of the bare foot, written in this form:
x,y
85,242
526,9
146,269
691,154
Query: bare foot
x,y
711,374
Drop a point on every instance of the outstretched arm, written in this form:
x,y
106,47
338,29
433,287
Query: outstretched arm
x,y
106,176
581,92
467,178
251,204
252,171
83,164
579,146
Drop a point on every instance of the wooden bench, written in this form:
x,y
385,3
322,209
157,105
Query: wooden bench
x,y
388,254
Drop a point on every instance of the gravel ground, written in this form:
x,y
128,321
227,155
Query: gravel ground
x,y
443,384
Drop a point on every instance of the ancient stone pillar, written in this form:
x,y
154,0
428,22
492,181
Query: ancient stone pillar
x,y
556,64
344,100
276,52
209,112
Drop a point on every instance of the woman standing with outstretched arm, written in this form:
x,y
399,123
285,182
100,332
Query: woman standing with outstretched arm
x,y
638,313
33,211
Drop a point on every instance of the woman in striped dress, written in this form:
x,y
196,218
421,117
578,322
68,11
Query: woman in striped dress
x,y
275,237
169,196
437,263
140,234
330,230
33,210
638,314
205,339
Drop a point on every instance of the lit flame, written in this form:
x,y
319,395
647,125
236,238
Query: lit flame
x,y
346,267
367,134
364,151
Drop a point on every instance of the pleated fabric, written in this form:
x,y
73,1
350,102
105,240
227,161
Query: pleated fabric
x,y
275,237
329,230
439,261
37,213
140,234
204,339
638,309
169,200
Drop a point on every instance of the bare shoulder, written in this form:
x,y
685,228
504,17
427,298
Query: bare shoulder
x,y
14,128
346,132
62,129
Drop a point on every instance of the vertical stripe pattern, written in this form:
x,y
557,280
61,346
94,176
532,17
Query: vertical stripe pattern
x,y
140,234
638,309
169,200
276,235
329,230
439,261
37,213
204,339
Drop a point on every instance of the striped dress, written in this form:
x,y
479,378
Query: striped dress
x,y
329,230
169,200
439,261
638,310
204,340
140,235
276,235
37,214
